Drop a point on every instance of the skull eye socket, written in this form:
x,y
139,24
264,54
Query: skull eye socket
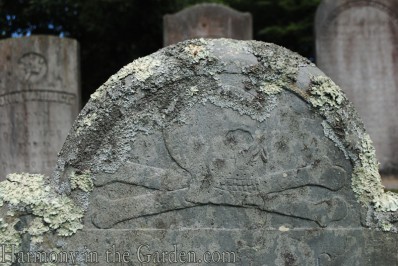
x,y
239,140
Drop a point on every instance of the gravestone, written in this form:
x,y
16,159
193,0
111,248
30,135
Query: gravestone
x,y
356,45
209,151
39,100
207,21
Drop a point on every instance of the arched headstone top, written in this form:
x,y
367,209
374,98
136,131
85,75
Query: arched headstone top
x,y
329,10
207,21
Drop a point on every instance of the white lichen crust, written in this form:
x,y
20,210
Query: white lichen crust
x,y
324,92
9,238
328,99
30,194
270,88
197,52
143,68
81,181
366,180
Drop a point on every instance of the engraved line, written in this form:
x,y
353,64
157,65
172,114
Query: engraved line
x,y
311,229
132,184
37,95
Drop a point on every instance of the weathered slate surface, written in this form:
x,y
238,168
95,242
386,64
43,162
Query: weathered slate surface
x,y
230,151
357,46
39,100
207,21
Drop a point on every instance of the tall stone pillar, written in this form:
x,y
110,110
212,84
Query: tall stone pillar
x,y
39,101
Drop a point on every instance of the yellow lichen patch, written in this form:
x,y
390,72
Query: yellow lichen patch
x,y
23,189
99,93
270,88
10,239
88,119
143,67
324,92
82,181
36,229
86,122
30,194
284,228
366,180
192,91
197,52
386,226
387,202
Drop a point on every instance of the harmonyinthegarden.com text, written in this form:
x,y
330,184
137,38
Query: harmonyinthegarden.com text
x,y
143,254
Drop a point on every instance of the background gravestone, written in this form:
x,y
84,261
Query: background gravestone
x,y
356,45
39,100
231,151
207,21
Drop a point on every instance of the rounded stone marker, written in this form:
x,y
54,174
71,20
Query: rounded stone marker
x,y
218,151
207,21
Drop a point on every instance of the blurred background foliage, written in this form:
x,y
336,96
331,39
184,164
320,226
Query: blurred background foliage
x,y
113,33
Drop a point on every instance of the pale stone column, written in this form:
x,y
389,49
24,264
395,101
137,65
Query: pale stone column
x,y
357,46
39,100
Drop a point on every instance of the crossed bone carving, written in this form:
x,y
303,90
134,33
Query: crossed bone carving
x,y
211,183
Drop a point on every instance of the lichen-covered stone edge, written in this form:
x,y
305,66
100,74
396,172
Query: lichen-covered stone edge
x,y
51,212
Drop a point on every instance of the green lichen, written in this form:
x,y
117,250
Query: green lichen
x,y
37,229
324,92
327,97
365,176
386,202
270,88
9,238
366,180
88,119
142,68
82,181
197,52
31,194
386,226
192,91
86,122
99,93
